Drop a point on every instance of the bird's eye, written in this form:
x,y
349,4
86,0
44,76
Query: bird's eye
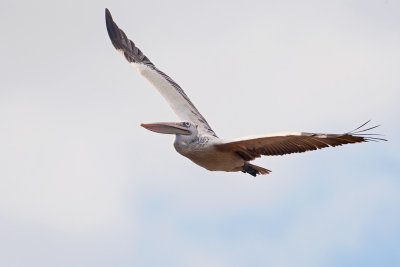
x,y
187,124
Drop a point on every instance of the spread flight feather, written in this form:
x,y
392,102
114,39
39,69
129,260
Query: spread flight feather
x,y
297,142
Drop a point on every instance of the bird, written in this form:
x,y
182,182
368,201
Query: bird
x,y
195,139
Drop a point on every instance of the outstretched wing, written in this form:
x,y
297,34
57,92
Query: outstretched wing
x,y
287,143
169,89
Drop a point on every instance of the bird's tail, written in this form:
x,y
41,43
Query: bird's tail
x,y
254,170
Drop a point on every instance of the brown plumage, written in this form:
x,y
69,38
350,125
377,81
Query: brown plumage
x,y
252,148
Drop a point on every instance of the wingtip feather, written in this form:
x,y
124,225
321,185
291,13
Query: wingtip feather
x,y
367,137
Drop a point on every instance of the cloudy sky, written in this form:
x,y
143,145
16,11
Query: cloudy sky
x,y
82,184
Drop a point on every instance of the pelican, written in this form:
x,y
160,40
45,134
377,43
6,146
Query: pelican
x,y
194,137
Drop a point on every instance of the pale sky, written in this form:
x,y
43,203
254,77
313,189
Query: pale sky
x,y
82,184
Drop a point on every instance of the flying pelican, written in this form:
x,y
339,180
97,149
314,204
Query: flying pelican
x,y
197,141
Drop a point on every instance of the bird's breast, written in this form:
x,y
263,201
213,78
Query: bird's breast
x,y
211,159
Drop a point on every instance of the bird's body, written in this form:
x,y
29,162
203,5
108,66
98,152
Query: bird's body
x,y
198,142
204,153
211,159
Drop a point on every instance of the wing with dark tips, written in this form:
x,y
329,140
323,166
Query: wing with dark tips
x,y
295,142
168,88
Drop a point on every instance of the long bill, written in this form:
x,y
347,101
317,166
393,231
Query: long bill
x,y
167,128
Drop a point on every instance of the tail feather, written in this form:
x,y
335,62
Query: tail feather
x,y
254,170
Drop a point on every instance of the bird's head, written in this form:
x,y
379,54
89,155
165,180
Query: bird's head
x,y
178,128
